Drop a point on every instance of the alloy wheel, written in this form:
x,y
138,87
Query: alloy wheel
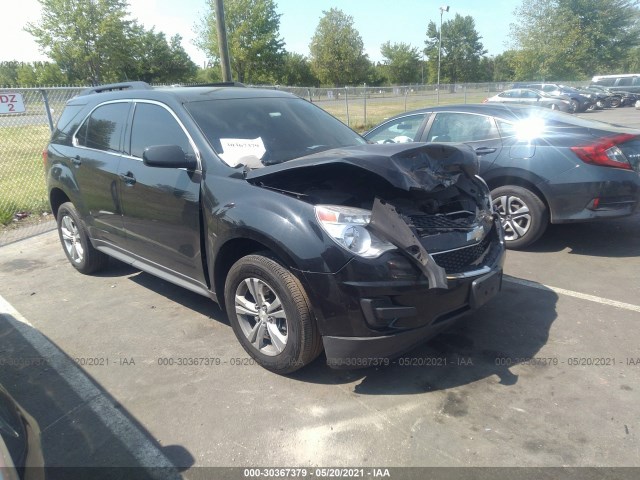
x,y
514,215
261,316
71,239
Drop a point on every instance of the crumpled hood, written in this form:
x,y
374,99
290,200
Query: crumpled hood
x,y
421,166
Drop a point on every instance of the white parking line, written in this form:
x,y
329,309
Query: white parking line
x,y
571,293
138,445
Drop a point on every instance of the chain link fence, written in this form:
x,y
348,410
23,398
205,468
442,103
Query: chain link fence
x,y
27,116
364,107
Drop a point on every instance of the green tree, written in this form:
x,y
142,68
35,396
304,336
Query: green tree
x,y
632,63
504,66
210,74
569,39
48,73
9,73
296,71
27,75
376,74
337,51
181,67
154,60
253,36
402,63
93,41
461,49
86,38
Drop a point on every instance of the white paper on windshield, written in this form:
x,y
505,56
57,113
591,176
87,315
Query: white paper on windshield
x,y
242,151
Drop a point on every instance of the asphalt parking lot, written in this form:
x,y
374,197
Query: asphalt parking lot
x,y
124,369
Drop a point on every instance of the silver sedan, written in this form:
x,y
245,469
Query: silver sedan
x,y
527,96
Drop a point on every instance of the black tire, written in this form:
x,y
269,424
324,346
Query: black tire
x,y
524,215
254,285
615,102
75,241
574,106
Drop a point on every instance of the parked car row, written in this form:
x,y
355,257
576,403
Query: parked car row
x,y
576,100
629,82
527,96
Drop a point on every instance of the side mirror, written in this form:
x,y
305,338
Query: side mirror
x,y
168,156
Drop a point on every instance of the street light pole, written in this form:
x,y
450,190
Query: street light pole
x,y
444,8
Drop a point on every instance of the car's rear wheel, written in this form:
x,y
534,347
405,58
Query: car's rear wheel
x,y
615,102
75,241
523,214
271,315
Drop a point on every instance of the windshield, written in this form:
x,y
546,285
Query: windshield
x,y
254,132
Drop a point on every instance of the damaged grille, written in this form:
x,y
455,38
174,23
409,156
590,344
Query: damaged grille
x,y
462,259
430,223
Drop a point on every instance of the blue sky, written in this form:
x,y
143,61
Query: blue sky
x,y
376,20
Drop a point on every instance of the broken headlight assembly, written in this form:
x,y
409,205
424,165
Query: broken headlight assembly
x,y
347,226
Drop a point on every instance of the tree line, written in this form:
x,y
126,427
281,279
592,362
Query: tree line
x,y
92,42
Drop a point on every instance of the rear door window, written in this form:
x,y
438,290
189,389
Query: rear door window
x,y
462,127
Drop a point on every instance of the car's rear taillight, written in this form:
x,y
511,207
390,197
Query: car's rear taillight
x,y
605,152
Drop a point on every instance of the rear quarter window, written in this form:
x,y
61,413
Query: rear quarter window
x,y
103,129
67,124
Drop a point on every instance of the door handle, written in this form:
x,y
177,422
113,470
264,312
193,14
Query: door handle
x,y
128,178
485,150
76,161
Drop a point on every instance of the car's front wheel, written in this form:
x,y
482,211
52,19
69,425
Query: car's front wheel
x,y
574,106
270,314
75,241
523,214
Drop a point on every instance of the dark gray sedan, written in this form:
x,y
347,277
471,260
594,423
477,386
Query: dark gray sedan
x,y
541,166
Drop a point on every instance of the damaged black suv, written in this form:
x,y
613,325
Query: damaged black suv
x,y
309,237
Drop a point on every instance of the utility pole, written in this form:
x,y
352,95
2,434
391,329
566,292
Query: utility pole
x,y
225,63
444,8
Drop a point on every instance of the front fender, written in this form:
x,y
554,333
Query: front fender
x,y
268,219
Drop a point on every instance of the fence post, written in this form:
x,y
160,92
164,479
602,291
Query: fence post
x,y
365,105
47,109
406,94
346,102
309,93
465,92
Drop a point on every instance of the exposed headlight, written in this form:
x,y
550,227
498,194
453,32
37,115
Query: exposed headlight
x,y
347,226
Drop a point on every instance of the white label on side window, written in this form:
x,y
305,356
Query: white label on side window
x,y
242,151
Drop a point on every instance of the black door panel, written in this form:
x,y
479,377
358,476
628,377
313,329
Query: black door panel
x,y
161,206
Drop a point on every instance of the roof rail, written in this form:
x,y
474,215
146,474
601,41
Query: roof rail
x,y
218,84
110,87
